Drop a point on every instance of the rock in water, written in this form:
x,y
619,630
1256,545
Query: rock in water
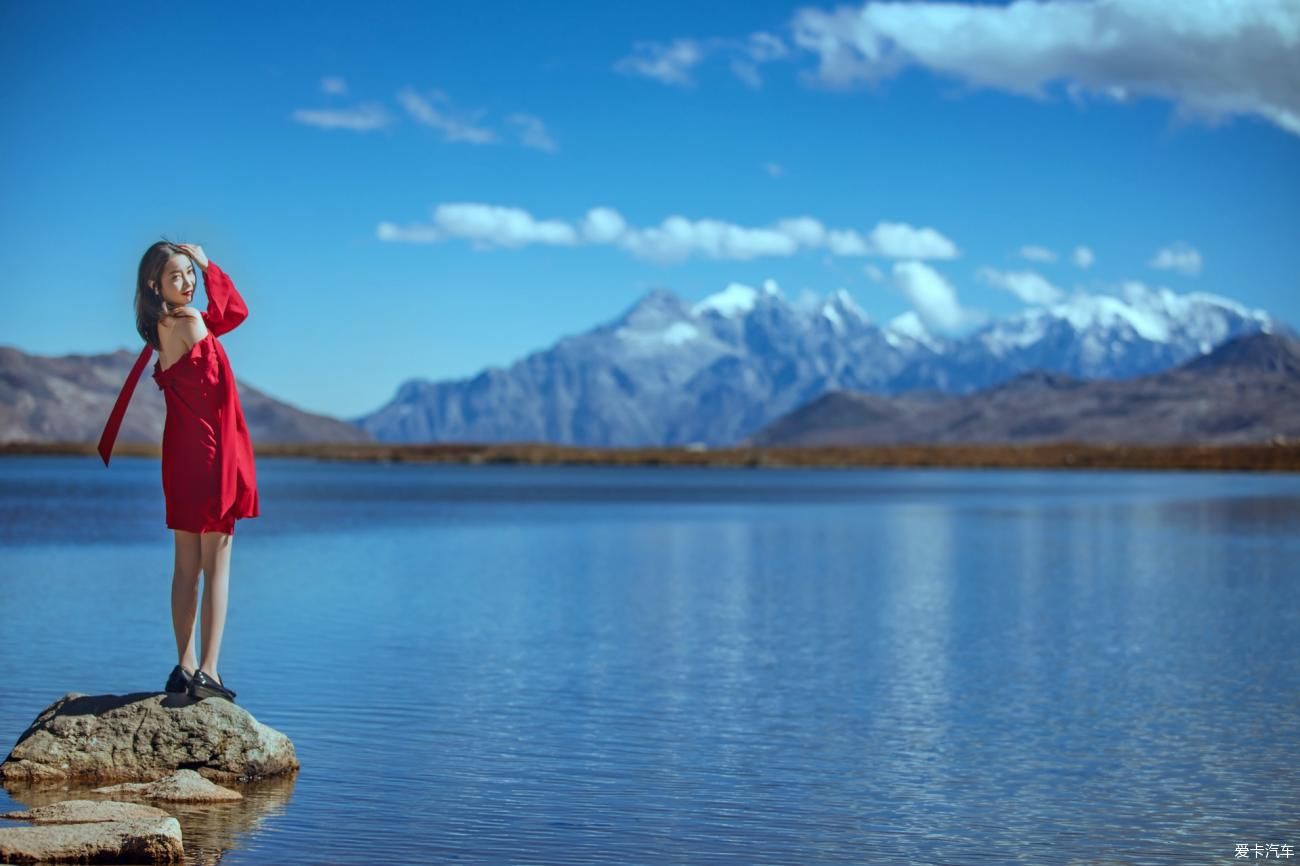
x,y
143,737
183,786
87,812
148,840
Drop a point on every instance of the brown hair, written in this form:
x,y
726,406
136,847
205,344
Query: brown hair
x,y
149,304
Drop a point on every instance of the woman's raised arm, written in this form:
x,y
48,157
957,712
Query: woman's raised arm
x,y
226,307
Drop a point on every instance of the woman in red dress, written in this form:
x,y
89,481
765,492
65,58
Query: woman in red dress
x,y
208,476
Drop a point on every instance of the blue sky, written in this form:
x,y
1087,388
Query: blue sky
x,y
421,189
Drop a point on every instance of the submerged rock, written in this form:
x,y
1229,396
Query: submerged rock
x,y
86,812
143,737
183,786
140,840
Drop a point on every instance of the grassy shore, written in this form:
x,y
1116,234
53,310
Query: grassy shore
x,y
1279,457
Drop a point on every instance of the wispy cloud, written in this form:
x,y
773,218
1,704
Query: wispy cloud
x,y
1179,256
363,118
675,239
668,64
674,62
1083,257
1033,253
431,108
532,132
454,125
1114,49
1029,286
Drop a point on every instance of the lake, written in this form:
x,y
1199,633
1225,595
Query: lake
x,y
542,664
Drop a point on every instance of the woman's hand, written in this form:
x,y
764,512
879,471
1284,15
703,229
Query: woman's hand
x,y
195,252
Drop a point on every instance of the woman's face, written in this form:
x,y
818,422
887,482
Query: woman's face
x,y
178,280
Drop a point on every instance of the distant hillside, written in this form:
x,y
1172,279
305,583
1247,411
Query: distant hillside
x,y
69,398
1246,390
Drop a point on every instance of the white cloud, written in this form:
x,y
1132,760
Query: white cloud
x,y
847,242
453,128
773,169
931,296
1033,253
603,225
334,85
1210,57
805,230
360,119
1028,286
486,226
1178,256
675,238
673,62
532,132
900,240
669,64
1083,257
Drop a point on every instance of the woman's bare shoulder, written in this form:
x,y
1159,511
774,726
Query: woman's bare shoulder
x,y
177,315
185,326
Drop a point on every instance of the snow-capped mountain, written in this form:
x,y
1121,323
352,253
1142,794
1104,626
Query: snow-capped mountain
x,y
1088,336
669,373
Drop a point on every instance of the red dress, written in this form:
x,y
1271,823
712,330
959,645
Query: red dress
x,y
208,475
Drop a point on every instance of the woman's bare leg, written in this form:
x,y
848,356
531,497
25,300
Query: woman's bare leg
x,y
216,582
185,596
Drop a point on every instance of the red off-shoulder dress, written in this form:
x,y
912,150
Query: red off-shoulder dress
x,y
208,476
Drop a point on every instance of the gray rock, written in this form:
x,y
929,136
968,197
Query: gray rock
x,y
183,786
143,737
87,812
148,840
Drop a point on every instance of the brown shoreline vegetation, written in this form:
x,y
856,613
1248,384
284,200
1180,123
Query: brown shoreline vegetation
x,y
1279,456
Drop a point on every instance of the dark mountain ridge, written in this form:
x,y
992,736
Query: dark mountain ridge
x,y
1246,390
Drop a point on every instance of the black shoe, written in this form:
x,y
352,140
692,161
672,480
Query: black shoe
x,y
179,681
204,686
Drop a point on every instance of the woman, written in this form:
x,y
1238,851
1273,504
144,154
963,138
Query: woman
x,y
208,475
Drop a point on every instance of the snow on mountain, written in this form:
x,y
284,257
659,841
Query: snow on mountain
x,y
668,372
736,299
908,329
1140,331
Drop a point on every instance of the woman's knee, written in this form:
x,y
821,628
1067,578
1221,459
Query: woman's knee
x,y
189,555
215,546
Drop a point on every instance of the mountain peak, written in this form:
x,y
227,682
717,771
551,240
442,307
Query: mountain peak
x,y
841,301
657,306
737,299
1258,351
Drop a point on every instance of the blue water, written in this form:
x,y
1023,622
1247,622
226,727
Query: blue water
x,y
515,664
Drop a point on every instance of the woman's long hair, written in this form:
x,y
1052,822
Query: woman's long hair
x,y
149,305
